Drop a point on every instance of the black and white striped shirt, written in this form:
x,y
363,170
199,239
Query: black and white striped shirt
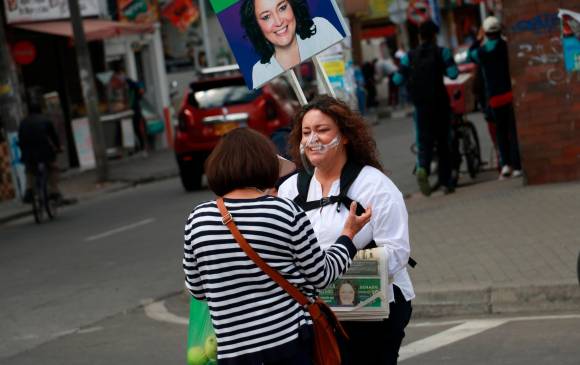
x,y
253,316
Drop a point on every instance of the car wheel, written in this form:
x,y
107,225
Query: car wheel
x,y
191,173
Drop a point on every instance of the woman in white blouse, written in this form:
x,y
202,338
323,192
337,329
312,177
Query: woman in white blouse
x,y
326,135
283,34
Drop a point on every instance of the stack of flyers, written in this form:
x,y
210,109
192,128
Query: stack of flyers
x,y
361,294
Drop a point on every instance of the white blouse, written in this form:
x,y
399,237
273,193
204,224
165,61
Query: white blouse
x,y
326,35
388,227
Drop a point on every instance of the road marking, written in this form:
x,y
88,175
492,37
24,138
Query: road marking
x,y
159,312
457,333
120,229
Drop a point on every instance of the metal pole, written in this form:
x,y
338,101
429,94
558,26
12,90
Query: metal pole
x,y
482,11
89,90
205,34
293,80
323,76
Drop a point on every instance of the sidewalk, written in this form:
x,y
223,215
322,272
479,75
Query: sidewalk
x,y
124,173
492,247
496,247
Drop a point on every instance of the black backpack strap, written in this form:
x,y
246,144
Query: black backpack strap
x,y
303,182
348,175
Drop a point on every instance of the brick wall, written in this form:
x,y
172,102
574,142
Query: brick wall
x,y
547,98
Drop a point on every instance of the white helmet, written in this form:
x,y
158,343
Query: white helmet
x,y
491,25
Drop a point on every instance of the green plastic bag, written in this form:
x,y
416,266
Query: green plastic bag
x,y
201,340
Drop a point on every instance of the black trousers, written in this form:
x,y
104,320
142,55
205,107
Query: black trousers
x,y
433,125
377,342
507,136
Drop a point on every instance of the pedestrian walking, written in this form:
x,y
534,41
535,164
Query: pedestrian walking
x,y
256,321
423,68
335,145
492,57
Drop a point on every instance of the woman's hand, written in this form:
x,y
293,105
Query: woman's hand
x,y
354,223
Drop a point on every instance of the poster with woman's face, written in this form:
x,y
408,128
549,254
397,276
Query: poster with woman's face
x,y
269,37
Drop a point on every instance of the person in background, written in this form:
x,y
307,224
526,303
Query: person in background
x,y
369,74
256,320
492,57
330,138
136,92
386,67
423,69
481,97
39,143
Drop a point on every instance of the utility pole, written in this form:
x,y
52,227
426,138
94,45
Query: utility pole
x,y
10,103
89,90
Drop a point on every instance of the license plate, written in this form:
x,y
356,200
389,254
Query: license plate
x,y
223,128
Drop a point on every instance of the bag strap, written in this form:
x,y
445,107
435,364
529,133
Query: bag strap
x,y
228,221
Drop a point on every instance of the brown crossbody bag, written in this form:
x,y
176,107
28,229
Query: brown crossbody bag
x,y
326,325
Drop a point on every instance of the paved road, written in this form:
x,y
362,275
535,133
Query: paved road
x,y
97,260
156,334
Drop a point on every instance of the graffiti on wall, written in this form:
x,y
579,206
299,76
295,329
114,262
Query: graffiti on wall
x,y
552,57
540,24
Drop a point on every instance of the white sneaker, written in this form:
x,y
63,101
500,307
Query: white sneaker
x,y
505,172
517,173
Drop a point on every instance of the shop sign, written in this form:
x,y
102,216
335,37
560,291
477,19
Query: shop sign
x,y
138,11
20,11
398,11
24,52
181,13
378,8
418,11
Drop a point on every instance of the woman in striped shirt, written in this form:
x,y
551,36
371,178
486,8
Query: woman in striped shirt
x,y
255,320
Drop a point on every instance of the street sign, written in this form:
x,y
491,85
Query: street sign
x,y
398,11
24,52
418,11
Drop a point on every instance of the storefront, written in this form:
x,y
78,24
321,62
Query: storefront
x,y
118,50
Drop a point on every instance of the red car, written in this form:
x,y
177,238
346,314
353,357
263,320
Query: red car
x,y
216,105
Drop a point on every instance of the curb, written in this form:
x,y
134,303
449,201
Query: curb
x,y
118,185
497,299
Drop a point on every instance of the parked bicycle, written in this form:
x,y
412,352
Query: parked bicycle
x,y
44,206
466,145
465,148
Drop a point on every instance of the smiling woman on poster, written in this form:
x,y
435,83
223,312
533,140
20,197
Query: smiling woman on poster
x,y
283,34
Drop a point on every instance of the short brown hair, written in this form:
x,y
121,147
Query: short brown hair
x,y
361,147
243,158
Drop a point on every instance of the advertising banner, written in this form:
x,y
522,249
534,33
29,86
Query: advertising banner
x,y
21,11
269,37
138,11
570,39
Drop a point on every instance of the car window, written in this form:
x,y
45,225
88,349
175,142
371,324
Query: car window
x,y
223,96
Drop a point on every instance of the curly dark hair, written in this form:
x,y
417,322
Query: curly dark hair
x,y
361,147
305,27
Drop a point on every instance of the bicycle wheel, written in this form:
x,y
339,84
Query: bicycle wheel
x,y
51,206
38,206
470,148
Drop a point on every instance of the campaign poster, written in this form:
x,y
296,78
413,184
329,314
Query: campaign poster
x,y
352,291
269,37
570,39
